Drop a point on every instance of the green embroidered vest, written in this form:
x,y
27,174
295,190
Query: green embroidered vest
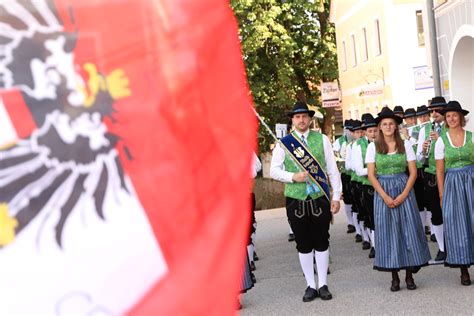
x,y
390,164
432,162
297,190
461,156
364,143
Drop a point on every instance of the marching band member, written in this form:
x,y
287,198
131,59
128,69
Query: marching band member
x,y
454,153
308,205
367,193
398,111
400,241
425,152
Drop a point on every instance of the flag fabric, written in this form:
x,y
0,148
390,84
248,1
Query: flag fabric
x,y
125,159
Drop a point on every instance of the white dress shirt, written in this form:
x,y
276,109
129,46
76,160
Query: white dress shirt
x,y
421,140
256,166
278,172
358,161
347,162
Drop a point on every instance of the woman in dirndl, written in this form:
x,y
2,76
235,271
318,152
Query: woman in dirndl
x,y
454,153
400,242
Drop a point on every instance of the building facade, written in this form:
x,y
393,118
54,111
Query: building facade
x,y
455,42
382,54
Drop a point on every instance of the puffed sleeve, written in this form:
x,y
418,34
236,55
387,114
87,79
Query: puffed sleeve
x,y
370,154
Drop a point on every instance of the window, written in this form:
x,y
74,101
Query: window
x,y
354,51
419,28
344,56
378,44
365,50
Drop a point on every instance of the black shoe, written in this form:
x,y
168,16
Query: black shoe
x,y
427,230
358,238
372,253
433,238
255,256
365,245
351,229
410,283
252,266
252,276
324,293
310,294
465,279
395,285
291,237
440,256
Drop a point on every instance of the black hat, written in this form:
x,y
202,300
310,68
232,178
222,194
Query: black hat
x,y
356,125
422,110
387,113
368,121
300,107
350,122
454,106
398,110
409,113
437,101
347,123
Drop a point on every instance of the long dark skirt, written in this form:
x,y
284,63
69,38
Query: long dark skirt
x,y
458,216
400,241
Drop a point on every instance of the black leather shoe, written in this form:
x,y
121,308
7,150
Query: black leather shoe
x,y
358,238
310,294
252,266
324,293
365,245
433,238
372,253
291,237
395,285
410,283
255,256
252,276
351,229
440,256
465,279
427,230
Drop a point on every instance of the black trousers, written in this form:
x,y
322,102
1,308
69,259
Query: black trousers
x,y
431,195
368,205
355,197
346,188
419,188
310,222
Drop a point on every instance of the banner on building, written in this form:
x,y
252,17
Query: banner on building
x,y
423,78
330,94
371,91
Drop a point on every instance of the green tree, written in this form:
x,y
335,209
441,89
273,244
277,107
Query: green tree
x,y
288,48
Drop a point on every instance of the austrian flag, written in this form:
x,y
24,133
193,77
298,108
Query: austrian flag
x,y
124,167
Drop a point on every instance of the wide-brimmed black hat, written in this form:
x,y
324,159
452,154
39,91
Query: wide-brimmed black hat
x,y
422,110
356,125
409,113
454,106
437,102
368,121
398,110
387,113
300,107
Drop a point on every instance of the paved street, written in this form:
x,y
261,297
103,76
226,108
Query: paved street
x,y
356,287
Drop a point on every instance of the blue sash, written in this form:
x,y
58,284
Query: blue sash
x,y
306,161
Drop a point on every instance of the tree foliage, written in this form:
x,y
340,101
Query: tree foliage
x,y
289,48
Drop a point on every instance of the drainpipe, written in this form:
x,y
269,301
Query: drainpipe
x,y
433,47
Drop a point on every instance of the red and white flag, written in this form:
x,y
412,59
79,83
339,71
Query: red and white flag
x,y
125,152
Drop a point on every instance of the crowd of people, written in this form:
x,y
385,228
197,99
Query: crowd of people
x,y
405,176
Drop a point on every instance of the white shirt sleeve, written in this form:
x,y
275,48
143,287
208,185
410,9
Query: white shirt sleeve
x,y
336,146
409,151
257,165
347,162
277,168
439,149
370,154
358,161
421,140
332,170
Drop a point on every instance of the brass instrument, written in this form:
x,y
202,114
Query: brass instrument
x,y
426,153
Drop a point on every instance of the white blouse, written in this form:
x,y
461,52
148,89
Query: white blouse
x,y
439,147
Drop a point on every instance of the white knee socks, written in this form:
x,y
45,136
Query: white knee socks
x,y
356,223
348,209
306,261
322,264
439,233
